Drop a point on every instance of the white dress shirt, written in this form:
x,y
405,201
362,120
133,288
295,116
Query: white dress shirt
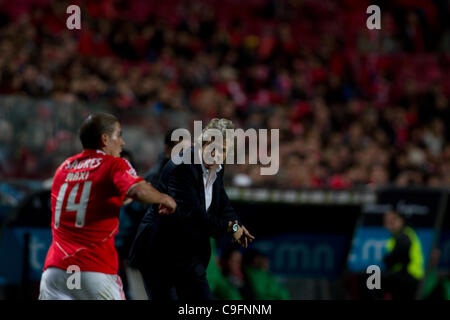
x,y
209,177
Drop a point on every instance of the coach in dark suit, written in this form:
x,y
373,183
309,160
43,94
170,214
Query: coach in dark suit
x,y
173,251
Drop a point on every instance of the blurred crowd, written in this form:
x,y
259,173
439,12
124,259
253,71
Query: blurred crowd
x,y
243,275
355,107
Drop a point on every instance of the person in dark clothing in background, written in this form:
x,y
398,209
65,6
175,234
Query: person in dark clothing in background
x,y
221,287
404,259
260,283
231,265
153,174
131,214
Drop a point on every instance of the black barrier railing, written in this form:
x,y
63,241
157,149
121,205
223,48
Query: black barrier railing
x,y
309,197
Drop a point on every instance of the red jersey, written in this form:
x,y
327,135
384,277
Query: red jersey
x,y
87,193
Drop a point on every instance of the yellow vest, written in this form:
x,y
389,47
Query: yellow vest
x,y
416,265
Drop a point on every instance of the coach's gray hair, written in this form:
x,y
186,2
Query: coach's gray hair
x,y
218,124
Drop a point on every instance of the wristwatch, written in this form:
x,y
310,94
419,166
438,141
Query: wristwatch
x,y
235,227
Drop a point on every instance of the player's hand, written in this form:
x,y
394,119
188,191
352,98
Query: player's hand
x,y
167,205
127,201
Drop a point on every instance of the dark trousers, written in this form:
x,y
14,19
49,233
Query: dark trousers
x,y
401,285
177,281
396,286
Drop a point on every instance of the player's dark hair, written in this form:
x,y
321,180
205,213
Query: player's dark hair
x,y
93,127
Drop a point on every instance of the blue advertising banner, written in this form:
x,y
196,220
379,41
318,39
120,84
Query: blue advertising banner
x,y
309,255
12,249
301,241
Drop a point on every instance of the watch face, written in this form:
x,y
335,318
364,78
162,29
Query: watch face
x,y
235,227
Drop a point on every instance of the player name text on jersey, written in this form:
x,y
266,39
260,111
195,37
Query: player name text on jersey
x,y
87,164
77,176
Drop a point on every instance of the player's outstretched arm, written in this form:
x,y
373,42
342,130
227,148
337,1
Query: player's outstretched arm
x,y
145,193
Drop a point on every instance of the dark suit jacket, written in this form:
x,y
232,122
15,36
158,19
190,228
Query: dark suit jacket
x,y
184,236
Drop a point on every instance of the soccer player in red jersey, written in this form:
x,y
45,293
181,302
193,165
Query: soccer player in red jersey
x,y
87,193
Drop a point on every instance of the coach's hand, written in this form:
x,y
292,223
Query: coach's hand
x,y
246,237
235,236
167,205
